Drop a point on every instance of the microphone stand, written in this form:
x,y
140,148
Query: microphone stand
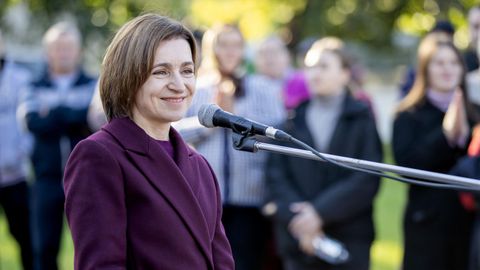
x,y
244,142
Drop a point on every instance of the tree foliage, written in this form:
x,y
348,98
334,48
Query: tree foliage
x,y
371,21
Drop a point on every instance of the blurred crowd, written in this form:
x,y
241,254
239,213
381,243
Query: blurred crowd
x,y
275,207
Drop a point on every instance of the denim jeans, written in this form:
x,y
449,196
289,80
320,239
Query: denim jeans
x,y
48,203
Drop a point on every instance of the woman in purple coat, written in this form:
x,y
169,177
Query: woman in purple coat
x,y
137,197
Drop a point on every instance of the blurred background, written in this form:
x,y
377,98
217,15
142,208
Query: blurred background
x,y
383,36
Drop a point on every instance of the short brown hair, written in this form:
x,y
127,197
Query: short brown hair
x,y
330,44
129,60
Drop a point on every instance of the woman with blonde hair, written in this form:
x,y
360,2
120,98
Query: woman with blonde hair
x,y
431,132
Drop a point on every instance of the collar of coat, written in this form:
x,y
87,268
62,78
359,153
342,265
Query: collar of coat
x,y
135,139
172,179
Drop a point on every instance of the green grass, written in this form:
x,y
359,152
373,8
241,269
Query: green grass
x,y
10,257
387,249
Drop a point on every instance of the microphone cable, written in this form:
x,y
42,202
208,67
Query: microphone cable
x,y
206,117
379,173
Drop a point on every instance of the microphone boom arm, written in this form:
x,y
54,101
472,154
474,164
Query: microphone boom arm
x,y
248,144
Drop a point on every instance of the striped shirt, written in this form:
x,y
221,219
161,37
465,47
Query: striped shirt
x,y
15,142
263,103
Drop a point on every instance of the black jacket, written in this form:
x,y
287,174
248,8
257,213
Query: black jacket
x,y
435,221
60,122
342,197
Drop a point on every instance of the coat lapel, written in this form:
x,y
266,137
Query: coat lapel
x,y
300,128
168,178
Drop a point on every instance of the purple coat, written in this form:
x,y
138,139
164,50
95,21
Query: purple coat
x,y
129,205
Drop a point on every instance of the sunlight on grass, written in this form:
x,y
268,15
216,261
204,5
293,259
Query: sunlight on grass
x,y
65,259
386,255
387,250
9,253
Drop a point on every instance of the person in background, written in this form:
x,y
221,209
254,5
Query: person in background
x,y
470,167
473,86
431,132
444,28
473,77
55,112
296,90
137,196
272,59
312,199
222,80
96,117
15,147
471,54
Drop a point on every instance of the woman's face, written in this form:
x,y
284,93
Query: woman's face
x,y
63,54
272,59
229,51
168,91
444,70
327,76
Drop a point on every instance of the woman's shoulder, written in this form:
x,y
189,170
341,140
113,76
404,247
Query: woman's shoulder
x,y
193,153
418,117
414,111
405,116
197,157
354,107
100,142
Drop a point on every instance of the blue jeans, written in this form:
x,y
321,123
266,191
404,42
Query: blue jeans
x,y
48,200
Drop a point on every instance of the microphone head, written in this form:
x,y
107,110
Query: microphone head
x,y
205,114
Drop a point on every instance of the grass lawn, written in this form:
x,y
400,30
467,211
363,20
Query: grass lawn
x,y
386,252
9,254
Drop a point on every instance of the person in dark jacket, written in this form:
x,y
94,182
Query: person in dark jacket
x,y
447,30
469,166
15,146
471,54
137,196
431,132
55,112
311,198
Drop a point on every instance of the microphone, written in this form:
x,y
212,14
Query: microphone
x,y
210,115
330,250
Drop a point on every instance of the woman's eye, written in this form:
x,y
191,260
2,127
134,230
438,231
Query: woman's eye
x,y
188,71
160,72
